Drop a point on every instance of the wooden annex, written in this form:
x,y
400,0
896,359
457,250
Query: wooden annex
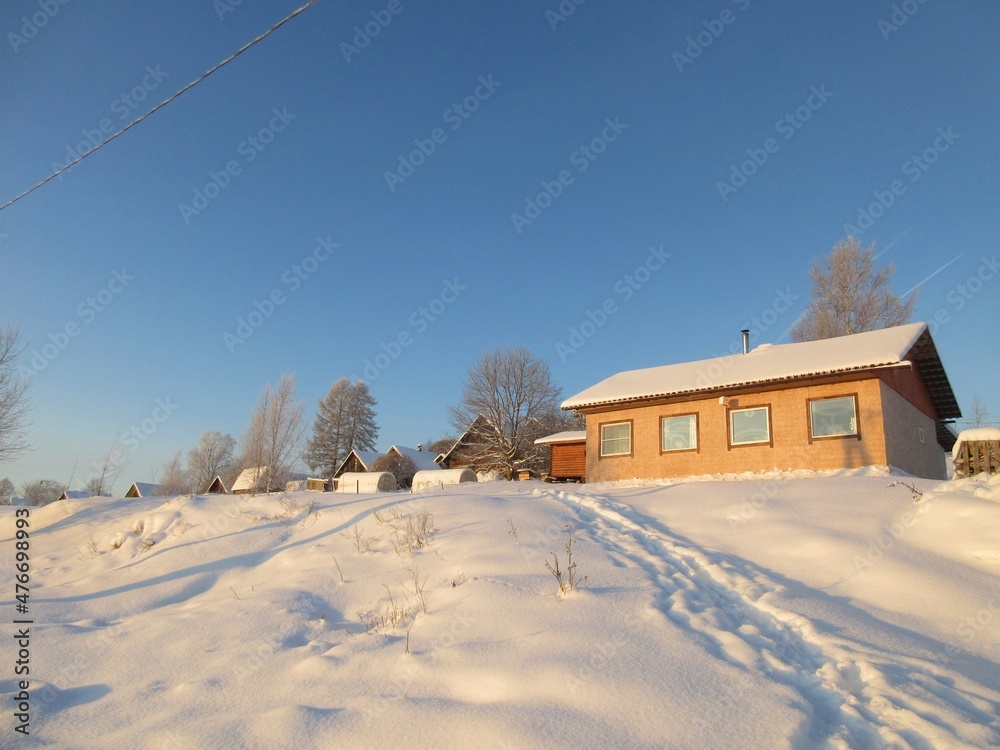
x,y
568,462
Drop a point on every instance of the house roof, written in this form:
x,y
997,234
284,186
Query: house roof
x,y
771,363
570,436
75,495
477,424
423,460
247,478
367,458
144,489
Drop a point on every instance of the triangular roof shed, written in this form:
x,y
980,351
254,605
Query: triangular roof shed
x,y
144,489
364,458
217,487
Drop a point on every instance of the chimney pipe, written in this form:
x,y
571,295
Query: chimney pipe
x,y
746,340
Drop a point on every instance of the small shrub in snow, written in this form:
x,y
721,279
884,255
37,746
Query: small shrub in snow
x,y
390,617
512,530
361,542
458,580
89,550
418,587
568,578
917,494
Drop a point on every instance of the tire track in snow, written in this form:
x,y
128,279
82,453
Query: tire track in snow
x,y
853,703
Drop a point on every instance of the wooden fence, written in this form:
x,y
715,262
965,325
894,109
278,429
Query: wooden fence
x,y
977,456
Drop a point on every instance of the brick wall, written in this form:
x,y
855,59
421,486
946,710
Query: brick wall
x,y
790,435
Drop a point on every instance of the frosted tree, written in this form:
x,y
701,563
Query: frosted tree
x,y
174,478
850,295
272,439
400,466
105,471
345,419
6,490
43,492
513,392
12,396
211,457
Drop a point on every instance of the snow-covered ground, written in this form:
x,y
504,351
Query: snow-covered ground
x,y
782,611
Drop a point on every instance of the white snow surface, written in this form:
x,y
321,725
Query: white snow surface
x,y
569,436
766,363
780,611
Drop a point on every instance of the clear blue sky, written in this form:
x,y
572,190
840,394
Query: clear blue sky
x,y
837,97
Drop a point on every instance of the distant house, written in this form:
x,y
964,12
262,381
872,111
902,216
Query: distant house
x,y
217,487
247,480
145,489
75,495
357,461
471,450
421,459
568,460
879,397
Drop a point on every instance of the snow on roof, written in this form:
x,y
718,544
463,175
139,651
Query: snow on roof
x,y
423,460
75,495
144,489
766,363
974,434
570,436
248,478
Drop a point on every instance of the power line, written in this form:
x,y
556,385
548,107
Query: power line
x,y
162,104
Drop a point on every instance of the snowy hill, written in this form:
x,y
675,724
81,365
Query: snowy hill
x,y
785,611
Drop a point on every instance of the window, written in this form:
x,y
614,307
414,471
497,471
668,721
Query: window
x,y
616,439
679,433
833,417
749,426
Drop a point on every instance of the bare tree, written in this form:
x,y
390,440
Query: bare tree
x,y
105,471
980,414
513,392
6,490
271,442
345,419
13,386
174,478
213,456
43,491
850,296
400,466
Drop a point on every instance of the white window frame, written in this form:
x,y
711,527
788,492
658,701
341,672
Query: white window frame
x,y
812,417
628,452
732,433
663,420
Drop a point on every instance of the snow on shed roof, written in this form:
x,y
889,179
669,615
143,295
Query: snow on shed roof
x,y
144,489
247,478
570,436
423,460
770,363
